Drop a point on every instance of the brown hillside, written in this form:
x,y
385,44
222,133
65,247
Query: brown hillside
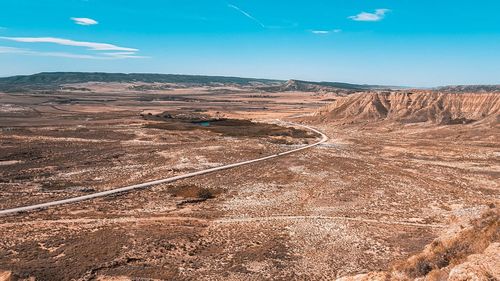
x,y
438,108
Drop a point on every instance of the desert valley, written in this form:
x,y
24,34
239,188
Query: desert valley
x,y
406,186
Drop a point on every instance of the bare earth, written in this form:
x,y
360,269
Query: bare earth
x,y
368,198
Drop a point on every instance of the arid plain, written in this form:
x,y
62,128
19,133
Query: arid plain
x,y
399,177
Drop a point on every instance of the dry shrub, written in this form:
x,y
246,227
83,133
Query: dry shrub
x,y
205,194
192,191
444,252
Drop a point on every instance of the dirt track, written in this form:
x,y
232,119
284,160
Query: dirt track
x,y
261,222
163,181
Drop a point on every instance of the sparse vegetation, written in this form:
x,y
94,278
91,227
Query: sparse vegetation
x,y
205,194
192,191
452,251
229,127
367,192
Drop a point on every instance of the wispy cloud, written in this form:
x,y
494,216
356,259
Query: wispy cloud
x,y
247,15
84,21
378,15
21,51
124,55
67,42
324,32
10,50
103,50
286,24
64,55
103,56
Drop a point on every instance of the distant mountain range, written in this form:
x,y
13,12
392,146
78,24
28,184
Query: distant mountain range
x,y
53,80
49,80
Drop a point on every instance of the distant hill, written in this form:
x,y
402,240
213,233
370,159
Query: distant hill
x,y
51,80
322,87
470,89
54,80
298,85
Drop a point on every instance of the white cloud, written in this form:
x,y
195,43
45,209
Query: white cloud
x,y
103,56
64,55
67,42
84,21
320,31
323,32
378,15
12,50
114,52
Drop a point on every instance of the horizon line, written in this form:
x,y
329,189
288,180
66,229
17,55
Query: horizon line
x,y
258,78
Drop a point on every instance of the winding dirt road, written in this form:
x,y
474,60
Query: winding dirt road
x,y
129,188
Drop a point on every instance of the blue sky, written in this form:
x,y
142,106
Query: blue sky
x,y
396,42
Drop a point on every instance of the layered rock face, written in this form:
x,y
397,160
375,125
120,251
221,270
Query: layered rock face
x,y
435,107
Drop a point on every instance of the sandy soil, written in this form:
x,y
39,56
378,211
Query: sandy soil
x,y
361,202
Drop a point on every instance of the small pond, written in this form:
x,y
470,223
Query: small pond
x,y
202,123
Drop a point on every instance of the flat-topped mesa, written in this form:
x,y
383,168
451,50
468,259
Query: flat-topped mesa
x,y
408,107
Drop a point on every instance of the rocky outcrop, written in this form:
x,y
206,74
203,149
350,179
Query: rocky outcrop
x,y
405,107
466,251
485,266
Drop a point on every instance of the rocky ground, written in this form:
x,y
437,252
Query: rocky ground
x,y
368,199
